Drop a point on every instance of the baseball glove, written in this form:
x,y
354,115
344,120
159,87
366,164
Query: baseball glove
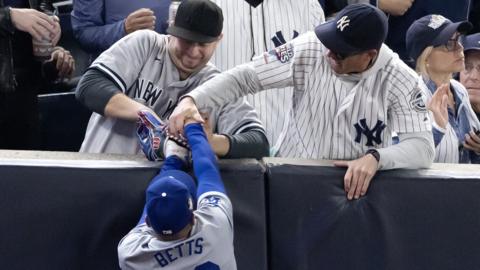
x,y
155,141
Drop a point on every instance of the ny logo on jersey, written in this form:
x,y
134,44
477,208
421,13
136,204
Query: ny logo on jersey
x,y
279,40
373,135
343,22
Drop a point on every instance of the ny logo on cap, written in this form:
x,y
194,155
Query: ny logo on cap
x,y
343,22
436,21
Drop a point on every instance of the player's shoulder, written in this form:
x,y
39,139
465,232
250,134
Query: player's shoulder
x,y
212,199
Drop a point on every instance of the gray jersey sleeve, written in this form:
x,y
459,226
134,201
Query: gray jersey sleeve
x,y
233,118
125,59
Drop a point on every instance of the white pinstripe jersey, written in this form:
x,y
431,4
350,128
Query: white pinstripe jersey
x,y
334,116
248,31
209,246
447,151
141,67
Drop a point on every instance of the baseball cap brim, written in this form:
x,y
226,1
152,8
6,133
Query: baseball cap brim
x,y
327,34
449,30
189,35
471,42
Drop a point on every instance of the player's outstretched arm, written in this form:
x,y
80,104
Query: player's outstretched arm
x,y
204,160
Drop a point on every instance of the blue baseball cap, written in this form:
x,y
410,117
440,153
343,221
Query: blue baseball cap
x,y
171,200
432,30
471,42
356,28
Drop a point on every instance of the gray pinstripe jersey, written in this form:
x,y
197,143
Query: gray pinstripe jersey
x,y
210,242
334,116
249,31
140,66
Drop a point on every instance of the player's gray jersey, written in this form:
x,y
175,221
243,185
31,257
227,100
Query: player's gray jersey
x,y
249,31
447,151
334,116
141,67
210,243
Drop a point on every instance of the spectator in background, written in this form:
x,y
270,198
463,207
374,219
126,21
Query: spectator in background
x,y
433,42
97,24
402,13
470,76
22,73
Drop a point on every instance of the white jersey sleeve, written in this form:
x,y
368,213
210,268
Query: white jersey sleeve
x,y
123,61
281,67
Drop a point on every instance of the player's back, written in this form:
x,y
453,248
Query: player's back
x,y
210,245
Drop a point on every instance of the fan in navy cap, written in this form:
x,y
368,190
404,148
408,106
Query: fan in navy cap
x,y
470,76
433,43
173,233
357,30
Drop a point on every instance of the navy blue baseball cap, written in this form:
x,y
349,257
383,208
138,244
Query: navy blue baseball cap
x,y
170,202
432,30
356,28
471,42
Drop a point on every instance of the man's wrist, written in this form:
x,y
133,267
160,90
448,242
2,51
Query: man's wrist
x,y
374,153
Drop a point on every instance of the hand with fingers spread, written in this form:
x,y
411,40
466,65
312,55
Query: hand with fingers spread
x,y
472,141
143,18
438,105
39,25
359,175
185,110
64,62
395,7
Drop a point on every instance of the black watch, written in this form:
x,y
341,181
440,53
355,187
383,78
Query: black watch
x,y
374,153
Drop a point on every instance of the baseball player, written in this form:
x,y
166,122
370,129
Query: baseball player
x,y
149,71
253,27
350,91
171,234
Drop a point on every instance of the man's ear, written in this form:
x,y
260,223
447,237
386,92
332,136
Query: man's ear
x,y
373,53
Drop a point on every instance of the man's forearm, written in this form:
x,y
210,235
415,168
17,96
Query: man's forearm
x,y
415,150
227,87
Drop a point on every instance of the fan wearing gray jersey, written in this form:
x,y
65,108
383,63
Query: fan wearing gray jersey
x,y
171,234
255,26
351,93
149,71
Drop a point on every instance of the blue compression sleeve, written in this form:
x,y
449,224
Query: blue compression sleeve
x,y
204,161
